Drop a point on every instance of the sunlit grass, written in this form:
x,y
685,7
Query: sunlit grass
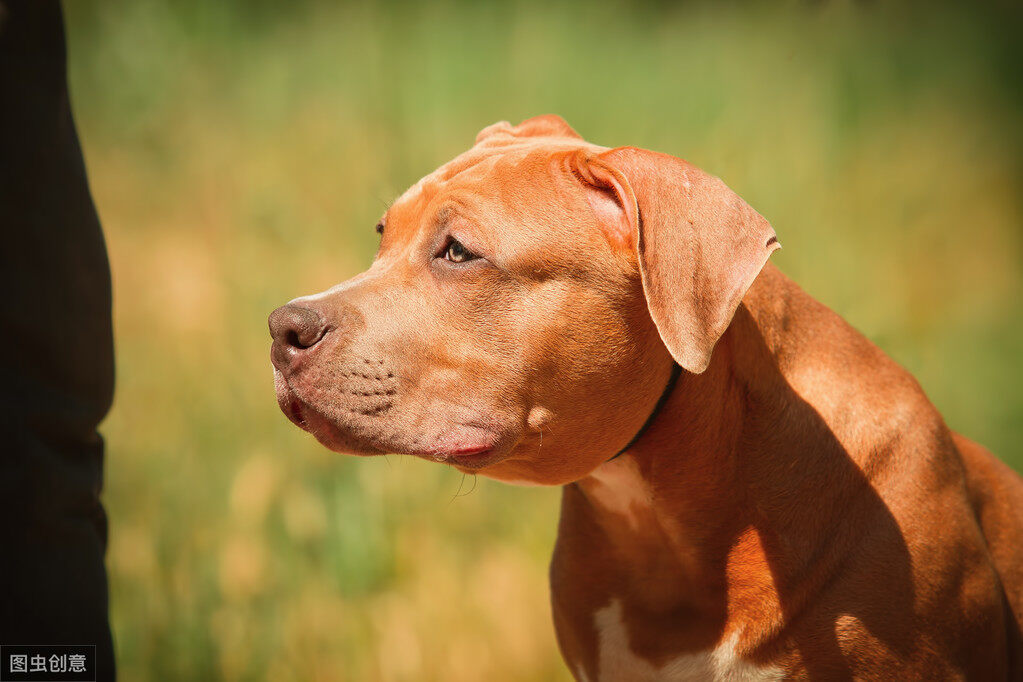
x,y
240,156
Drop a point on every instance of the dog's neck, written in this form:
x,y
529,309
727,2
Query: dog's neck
x,y
716,496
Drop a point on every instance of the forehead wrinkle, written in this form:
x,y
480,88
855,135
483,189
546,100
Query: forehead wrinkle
x,y
452,205
508,178
455,202
467,161
514,152
423,192
479,162
446,206
512,175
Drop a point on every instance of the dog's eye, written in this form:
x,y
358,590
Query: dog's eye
x,y
456,253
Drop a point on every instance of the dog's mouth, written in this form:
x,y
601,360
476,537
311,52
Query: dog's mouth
x,y
329,434
469,447
471,459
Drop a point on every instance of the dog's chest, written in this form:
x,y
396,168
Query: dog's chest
x,y
616,660
606,648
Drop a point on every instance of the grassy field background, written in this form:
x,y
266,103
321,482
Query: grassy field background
x,y
240,152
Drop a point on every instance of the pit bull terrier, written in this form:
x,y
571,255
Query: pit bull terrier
x,y
751,489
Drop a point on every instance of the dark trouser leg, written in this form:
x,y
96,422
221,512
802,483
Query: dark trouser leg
x,y
56,351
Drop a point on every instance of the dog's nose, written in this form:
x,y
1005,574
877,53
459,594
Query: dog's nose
x,y
294,328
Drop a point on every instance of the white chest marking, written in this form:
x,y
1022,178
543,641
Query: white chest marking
x,y
617,662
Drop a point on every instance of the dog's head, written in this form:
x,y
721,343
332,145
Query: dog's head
x,y
523,310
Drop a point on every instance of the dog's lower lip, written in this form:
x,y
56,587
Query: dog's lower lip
x,y
469,453
469,457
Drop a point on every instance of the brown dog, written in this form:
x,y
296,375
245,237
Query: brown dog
x,y
788,506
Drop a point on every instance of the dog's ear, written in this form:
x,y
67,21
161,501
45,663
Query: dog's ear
x,y
698,244
548,125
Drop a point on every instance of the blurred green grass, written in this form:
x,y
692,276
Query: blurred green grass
x,y
240,153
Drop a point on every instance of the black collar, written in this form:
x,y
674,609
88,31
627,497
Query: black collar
x,y
676,372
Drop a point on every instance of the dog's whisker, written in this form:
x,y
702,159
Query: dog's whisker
x,y
455,496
